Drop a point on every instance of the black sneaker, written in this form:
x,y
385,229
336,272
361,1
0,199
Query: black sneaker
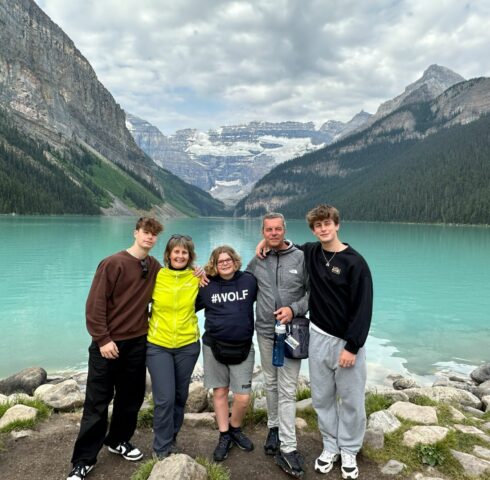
x,y
127,451
223,447
79,471
240,439
291,463
272,443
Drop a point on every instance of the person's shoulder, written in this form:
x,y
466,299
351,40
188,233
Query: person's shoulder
x,y
356,257
248,277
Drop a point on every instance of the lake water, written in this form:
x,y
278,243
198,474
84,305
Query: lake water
x,y
431,284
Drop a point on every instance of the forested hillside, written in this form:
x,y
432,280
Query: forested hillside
x,y
444,177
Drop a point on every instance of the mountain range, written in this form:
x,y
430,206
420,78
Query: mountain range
x,y
425,159
63,137
226,162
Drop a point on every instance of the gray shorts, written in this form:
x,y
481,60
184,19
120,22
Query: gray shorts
x,y
237,377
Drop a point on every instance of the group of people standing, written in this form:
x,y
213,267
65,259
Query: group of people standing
x,y
143,316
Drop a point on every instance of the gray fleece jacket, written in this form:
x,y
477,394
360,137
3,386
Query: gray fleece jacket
x,y
288,267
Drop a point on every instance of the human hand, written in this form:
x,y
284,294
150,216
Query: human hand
x,y
109,351
347,359
284,314
260,249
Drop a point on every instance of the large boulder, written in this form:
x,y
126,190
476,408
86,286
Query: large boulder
x,y
484,388
393,467
197,401
374,438
404,383
472,465
414,413
207,419
179,466
445,395
481,374
392,394
16,413
427,435
25,381
383,420
61,396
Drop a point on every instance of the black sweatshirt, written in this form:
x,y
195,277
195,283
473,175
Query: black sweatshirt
x,y
341,295
228,305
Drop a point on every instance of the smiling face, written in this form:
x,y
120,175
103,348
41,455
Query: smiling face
x,y
225,266
179,257
274,232
326,231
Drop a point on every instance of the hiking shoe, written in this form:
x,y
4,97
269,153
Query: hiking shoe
x,y
291,463
127,451
324,463
79,471
161,455
240,439
223,447
272,443
349,466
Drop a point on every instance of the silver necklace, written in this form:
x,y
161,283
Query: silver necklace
x,y
327,264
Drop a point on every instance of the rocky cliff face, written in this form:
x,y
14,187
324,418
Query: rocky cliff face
x,y
228,161
52,94
434,81
49,84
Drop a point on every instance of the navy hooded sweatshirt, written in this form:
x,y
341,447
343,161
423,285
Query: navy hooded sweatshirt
x,y
228,307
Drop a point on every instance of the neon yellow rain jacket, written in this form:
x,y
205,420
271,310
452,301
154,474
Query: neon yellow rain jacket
x,y
173,321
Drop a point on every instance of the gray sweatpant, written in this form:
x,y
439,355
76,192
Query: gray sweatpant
x,y
280,391
337,394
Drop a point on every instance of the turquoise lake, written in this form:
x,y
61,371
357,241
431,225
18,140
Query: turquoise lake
x,y
431,284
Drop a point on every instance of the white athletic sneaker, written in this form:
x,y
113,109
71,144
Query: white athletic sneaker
x,y
127,451
324,463
349,466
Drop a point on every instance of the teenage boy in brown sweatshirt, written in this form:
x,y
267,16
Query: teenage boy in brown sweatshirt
x,y
117,320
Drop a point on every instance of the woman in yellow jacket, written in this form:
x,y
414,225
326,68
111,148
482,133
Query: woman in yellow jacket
x,y
173,341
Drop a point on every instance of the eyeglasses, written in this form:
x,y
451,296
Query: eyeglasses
x,y
144,267
177,236
225,261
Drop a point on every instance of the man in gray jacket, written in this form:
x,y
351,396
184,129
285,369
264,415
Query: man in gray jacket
x,y
287,265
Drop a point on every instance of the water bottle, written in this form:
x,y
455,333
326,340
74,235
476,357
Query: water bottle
x,y
278,349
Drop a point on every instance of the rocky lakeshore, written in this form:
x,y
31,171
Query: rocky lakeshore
x,y
421,433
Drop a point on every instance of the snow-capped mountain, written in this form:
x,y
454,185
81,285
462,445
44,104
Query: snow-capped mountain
x,y
227,162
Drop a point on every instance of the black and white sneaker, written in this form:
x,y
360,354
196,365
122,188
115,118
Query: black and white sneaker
x,y
79,472
272,443
349,466
291,463
127,451
324,463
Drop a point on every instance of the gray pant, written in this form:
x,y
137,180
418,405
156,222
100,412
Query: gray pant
x,y
337,394
280,390
170,370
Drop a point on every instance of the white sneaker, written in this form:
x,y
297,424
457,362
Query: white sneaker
x,y
324,463
349,466
127,451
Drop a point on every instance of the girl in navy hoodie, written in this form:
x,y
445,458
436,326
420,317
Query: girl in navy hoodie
x,y
228,351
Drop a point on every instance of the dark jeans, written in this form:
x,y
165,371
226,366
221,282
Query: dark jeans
x,y
122,379
170,370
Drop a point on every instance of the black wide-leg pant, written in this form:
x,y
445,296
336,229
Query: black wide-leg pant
x,y
122,379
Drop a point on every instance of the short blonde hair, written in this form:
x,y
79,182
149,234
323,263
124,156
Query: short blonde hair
x,y
180,241
322,212
211,268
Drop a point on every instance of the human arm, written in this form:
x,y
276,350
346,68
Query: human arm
x,y
203,278
96,307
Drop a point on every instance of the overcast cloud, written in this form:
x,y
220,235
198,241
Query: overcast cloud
x,y
205,63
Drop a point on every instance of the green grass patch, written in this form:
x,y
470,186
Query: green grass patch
x,y
144,471
214,470
43,412
375,402
303,393
424,401
255,416
145,417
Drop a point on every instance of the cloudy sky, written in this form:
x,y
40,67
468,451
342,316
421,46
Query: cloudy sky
x,y
205,63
